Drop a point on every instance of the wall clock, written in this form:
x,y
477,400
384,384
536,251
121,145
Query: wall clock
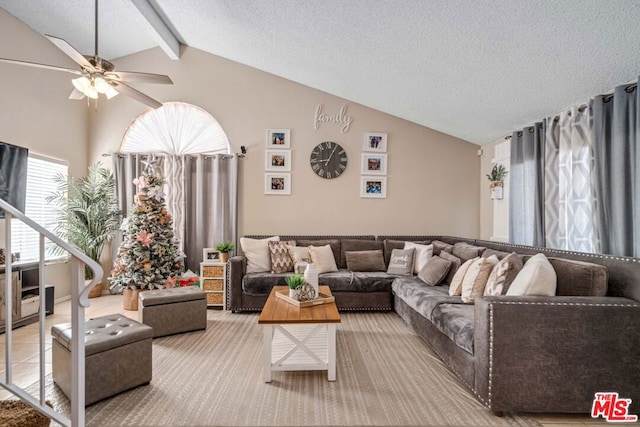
x,y
328,160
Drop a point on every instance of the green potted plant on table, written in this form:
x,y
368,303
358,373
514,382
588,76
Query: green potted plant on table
x,y
88,214
295,282
224,248
498,172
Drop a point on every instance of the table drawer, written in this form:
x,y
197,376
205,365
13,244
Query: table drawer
x,y
212,284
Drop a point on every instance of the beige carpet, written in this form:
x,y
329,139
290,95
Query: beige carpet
x,y
386,376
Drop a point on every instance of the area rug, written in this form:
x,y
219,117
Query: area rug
x,y
15,413
386,376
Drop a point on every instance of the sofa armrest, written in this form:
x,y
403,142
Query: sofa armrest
x,y
237,267
552,354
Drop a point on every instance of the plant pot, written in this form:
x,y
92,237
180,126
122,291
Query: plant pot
x,y
496,189
130,299
293,294
224,257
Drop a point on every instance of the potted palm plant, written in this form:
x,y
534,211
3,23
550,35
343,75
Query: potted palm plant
x,y
224,248
88,214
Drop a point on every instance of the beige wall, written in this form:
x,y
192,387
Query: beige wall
x,y
35,112
433,180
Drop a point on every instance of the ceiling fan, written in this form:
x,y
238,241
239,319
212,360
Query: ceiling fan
x,y
97,75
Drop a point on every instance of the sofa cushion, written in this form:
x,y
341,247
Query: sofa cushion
x,y
401,262
503,274
500,254
578,278
537,277
456,322
455,265
365,260
348,281
465,251
334,243
439,246
390,245
352,245
475,279
261,283
257,253
281,261
421,256
455,287
322,257
421,297
434,271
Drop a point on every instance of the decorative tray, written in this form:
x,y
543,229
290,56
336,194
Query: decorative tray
x,y
322,299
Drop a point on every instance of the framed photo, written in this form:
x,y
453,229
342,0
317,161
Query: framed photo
x,y
211,255
277,183
278,160
278,138
375,141
374,164
373,187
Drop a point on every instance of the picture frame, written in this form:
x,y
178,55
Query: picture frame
x,y
373,187
277,183
374,164
210,255
375,142
278,160
278,138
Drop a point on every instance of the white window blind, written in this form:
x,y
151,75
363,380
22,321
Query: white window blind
x,y
40,184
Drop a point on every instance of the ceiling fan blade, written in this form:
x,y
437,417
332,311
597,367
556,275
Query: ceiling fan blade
x,y
71,52
135,94
45,66
76,94
134,77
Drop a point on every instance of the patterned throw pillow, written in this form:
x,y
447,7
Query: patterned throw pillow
x,y
503,274
434,271
475,279
281,262
401,262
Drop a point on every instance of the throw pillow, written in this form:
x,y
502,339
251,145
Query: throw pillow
x,y
365,260
475,279
401,262
421,255
257,253
455,288
537,277
299,254
281,261
465,251
503,274
322,257
455,265
439,246
434,271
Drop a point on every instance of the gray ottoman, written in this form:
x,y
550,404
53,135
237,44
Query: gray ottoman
x,y
174,310
117,356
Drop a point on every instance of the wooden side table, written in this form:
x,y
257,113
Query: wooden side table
x,y
299,339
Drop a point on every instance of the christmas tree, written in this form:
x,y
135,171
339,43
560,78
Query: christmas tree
x,y
148,255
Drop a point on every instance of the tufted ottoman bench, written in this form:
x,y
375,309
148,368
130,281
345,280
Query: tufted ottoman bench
x,y
174,310
117,356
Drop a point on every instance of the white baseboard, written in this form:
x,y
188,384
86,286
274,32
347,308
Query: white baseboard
x,y
62,299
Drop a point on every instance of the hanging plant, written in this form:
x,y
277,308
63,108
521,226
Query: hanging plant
x,y
497,173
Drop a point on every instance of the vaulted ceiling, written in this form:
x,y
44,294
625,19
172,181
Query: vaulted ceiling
x,y
476,70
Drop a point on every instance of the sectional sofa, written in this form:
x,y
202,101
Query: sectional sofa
x,y
515,353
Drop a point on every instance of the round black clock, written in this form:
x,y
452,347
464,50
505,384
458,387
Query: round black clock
x,y
328,160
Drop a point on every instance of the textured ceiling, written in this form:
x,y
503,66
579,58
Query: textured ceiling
x,y
473,69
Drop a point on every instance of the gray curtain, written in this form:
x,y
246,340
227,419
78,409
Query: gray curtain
x,y
617,170
526,183
209,199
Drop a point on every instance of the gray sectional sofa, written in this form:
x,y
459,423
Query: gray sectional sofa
x,y
515,353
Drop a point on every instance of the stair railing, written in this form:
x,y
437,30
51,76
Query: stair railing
x,y
79,301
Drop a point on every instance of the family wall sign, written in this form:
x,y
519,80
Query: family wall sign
x,y
341,117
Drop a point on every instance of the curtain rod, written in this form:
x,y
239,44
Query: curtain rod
x,y
206,156
606,98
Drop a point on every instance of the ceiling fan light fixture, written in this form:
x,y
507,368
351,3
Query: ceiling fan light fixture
x,y
83,84
101,85
111,92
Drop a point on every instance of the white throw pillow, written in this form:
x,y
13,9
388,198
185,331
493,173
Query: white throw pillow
x,y
322,257
475,279
421,256
257,253
537,277
456,283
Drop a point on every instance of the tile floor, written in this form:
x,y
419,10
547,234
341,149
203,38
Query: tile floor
x,y
26,354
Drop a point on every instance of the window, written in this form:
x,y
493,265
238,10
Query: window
x,y
40,184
